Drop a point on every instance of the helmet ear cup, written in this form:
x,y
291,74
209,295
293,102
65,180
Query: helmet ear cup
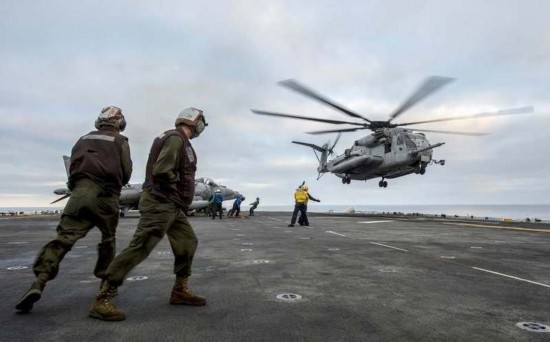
x,y
122,124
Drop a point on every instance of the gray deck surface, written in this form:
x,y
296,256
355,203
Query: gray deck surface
x,y
360,278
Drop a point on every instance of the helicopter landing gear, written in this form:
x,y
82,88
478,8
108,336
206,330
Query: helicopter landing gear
x,y
346,180
422,170
383,183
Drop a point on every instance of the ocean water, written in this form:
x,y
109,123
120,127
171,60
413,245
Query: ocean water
x,y
493,211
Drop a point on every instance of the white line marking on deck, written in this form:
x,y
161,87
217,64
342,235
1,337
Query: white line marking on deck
x,y
331,232
381,244
497,227
274,219
375,221
509,276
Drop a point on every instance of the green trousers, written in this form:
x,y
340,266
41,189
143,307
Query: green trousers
x,y
88,207
158,217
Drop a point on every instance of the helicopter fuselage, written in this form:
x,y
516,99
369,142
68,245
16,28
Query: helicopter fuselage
x,y
388,153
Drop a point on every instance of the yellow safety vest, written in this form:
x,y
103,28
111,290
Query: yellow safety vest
x,y
300,196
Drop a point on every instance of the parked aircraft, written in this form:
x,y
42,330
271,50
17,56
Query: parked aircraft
x,y
131,192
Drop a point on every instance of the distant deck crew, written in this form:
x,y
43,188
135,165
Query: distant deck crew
x,y
300,198
217,200
303,220
254,205
168,190
236,209
100,166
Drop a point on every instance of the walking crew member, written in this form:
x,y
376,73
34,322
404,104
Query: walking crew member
x,y
100,166
168,190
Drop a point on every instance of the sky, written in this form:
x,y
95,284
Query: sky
x,y
62,61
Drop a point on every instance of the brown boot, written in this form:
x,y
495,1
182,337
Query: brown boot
x,y
182,294
103,307
33,294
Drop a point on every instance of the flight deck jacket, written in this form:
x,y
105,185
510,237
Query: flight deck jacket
x,y
170,171
104,157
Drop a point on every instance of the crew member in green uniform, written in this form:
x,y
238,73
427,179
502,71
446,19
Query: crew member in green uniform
x,y
254,205
100,166
167,192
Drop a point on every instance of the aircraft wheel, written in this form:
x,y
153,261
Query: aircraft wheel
x,y
422,170
381,183
122,213
343,180
348,180
385,184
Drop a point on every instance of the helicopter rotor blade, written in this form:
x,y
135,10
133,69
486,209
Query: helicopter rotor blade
x,y
512,111
292,116
338,130
335,141
473,134
428,87
299,88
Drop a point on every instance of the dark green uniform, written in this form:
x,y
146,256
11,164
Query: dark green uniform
x,y
169,188
100,166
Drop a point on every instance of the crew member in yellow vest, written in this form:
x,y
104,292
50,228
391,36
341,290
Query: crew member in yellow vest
x,y
300,200
303,220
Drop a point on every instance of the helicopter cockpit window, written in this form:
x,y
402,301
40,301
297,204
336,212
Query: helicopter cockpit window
x,y
410,144
400,139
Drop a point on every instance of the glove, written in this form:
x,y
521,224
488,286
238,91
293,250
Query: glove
x,y
318,200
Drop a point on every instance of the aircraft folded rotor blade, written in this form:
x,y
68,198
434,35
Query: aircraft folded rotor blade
x,y
473,134
315,147
336,141
61,198
299,88
511,111
338,130
428,87
291,116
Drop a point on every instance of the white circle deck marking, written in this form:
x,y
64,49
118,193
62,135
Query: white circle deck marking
x,y
17,243
476,247
288,231
15,268
137,278
386,221
289,297
239,235
261,261
81,247
164,253
447,257
247,243
387,270
534,327
246,250
305,238
333,249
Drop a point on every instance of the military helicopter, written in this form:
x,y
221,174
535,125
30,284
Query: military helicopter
x,y
390,151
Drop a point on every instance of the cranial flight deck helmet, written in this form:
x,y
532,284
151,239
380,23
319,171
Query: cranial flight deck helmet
x,y
111,116
194,119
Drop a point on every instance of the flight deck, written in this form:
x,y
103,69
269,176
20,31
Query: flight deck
x,y
344,278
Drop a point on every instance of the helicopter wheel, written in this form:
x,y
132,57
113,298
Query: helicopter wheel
x,y
385,184
422,170
343,180
348,180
